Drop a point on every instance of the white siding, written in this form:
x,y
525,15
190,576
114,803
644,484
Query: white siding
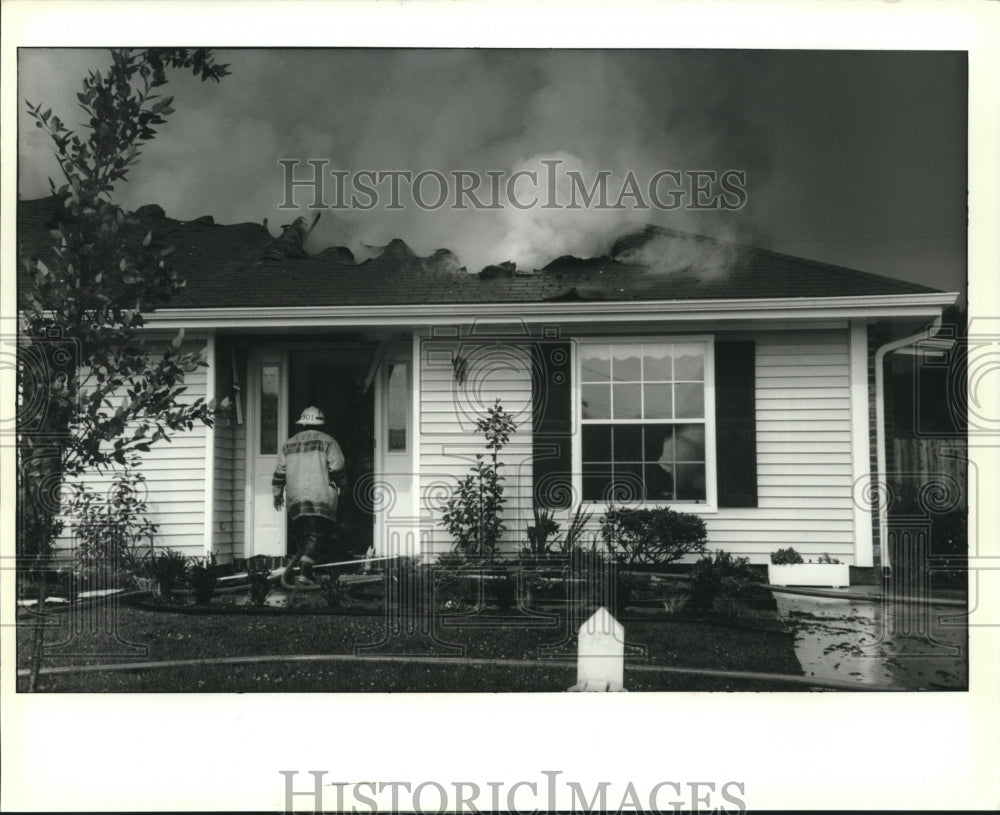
x,y
228,457
803,452
804,465
447,431
175,478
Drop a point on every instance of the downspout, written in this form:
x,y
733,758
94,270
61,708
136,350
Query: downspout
x,y
880,445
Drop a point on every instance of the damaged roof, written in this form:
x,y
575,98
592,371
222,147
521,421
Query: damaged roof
x,y
243,265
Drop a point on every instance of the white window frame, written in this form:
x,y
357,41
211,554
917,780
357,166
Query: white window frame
x,y
710,504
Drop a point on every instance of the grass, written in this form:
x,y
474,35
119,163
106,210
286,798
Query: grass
x,y
758,644
369,677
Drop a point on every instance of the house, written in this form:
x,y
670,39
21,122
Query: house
x,y
729,381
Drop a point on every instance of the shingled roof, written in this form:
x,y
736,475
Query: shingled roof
x,y
242,265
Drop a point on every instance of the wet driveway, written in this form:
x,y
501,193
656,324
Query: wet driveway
x,y
907,646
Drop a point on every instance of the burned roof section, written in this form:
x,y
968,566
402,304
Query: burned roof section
x,y
243,265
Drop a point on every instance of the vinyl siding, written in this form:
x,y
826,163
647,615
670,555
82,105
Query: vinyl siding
x,y
803,419
803,452
448,437
175,478
804,481
227,496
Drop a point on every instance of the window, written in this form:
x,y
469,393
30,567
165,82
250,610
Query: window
x,y
397,407
646,421
270,387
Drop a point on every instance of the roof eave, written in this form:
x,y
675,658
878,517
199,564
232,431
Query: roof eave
x,y
927,305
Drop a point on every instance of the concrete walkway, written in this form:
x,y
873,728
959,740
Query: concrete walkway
x,y
903,645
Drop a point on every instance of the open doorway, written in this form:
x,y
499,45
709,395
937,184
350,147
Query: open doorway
x,y
332,379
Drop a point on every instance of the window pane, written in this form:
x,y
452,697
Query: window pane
x,y
397,407
595,363
689,361
690,440
595,442
270,380
656,363
627,401
659,443
627,485
689,400
596,481
659,482
596,401
660,384
628,443
690,482
625,363
657,402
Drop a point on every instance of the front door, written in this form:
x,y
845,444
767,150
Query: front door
x,y
268,382
282,383
333,379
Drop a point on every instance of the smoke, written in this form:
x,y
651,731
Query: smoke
x,y
460,110
687,254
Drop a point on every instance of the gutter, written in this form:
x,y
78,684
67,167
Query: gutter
x,y
880,444
782,308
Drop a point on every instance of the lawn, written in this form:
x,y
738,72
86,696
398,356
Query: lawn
x,y
479,644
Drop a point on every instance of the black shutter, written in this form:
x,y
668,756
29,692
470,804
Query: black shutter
x,y
552,431
735,424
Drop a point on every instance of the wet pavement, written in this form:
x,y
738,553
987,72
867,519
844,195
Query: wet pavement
x,y
907,646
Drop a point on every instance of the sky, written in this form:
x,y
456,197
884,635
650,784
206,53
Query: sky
x,y
856,158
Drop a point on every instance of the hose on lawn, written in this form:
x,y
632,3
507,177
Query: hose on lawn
x,y
291,586
790,679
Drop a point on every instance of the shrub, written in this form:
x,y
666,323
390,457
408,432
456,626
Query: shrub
x,y
721,576
825,558
110,531
473,514
785,556
542,535
503,589
257,577
625,590
412,584
577,526
201,576
454,560
334,591
730,607
651,536
583,560
454,580
675,604
168,568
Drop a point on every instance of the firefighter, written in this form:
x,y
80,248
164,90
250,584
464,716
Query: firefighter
x,y
311,473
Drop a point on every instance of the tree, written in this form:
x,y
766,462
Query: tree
x,y
91,396
473,513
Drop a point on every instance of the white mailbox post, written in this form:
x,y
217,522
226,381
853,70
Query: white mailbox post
x,y
600,663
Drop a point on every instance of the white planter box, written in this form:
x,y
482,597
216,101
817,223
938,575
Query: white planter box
x,y
827,575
